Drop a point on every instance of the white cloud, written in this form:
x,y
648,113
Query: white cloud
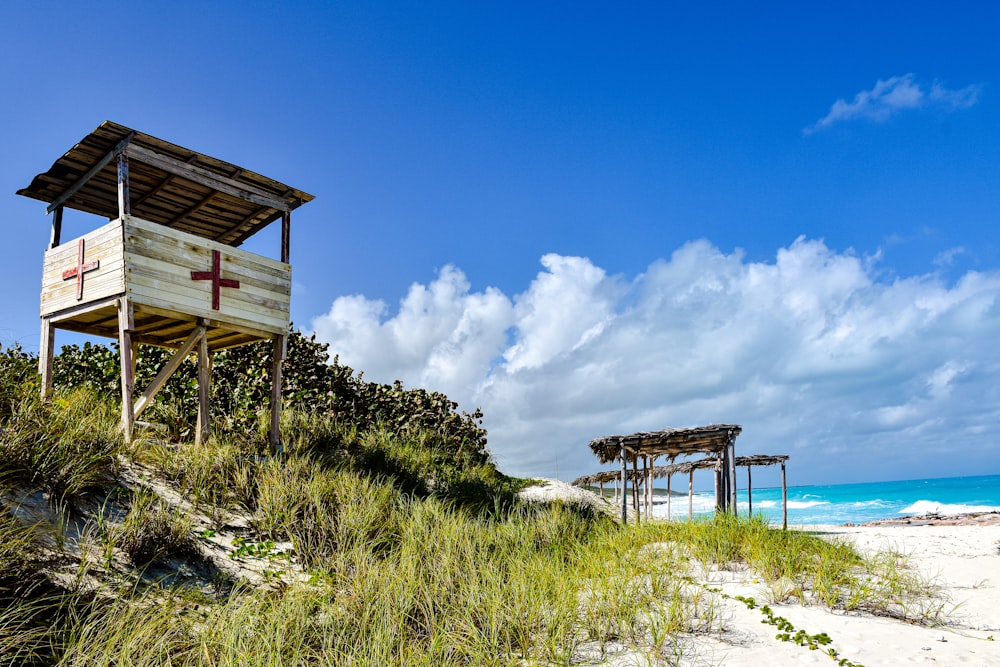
x,y
812,353
442,337
895,94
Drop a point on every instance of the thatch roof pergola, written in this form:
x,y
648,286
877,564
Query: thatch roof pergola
x,y
670,442
637,477
682,468
714,439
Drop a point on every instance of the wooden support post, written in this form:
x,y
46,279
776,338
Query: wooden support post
x,y
691,494
127,352
168,369
56,235
784,499
668,496
731,456
124,206
204,391
645,486
46,349
749,493
720,494
624,498
286,236
635,487
277,356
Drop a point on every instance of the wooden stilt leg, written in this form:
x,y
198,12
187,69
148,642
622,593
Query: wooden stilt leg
x,y
204,391
277,357
127,350
46,349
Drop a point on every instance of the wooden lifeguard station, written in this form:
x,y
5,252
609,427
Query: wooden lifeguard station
x,y
165,270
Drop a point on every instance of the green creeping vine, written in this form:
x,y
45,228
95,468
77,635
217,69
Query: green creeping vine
x,y
786,630
244,548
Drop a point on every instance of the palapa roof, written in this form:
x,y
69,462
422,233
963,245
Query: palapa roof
x,y
671,442
168,184
659,472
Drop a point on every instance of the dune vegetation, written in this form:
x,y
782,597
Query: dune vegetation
x,y
382,534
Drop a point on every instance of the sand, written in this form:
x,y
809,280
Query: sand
x,y
957,556
961,561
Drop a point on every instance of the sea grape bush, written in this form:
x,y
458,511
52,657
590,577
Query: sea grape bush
x,y
241,388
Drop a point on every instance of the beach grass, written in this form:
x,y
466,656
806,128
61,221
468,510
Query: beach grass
x,y
399,555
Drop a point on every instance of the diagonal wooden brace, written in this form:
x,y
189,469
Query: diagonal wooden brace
x,y
168,369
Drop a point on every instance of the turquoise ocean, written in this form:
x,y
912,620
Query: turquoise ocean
x,y
857,503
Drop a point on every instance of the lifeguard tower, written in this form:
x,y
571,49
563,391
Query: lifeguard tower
x,y
166,269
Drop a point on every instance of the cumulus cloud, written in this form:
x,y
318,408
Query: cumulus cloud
x,y
813,353
893,95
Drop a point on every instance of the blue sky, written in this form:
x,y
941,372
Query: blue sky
x,y
587,219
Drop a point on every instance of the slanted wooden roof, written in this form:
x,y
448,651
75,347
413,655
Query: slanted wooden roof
x,y
168,184
671,442
659,472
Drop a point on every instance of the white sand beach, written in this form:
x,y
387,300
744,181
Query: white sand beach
x,y
961,562
957,556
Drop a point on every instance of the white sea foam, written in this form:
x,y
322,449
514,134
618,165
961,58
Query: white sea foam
x,y
701,503
805,504
871,503
934,507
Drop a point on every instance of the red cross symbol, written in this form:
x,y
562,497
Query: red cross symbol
x,y
80,269
215,275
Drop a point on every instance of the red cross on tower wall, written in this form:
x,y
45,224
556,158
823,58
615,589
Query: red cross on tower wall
x,y
80,269
215,275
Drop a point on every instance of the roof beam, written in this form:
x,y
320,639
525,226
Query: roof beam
x,y
206,178
104,161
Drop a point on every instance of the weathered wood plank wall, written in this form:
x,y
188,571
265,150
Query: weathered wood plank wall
x,y
152,265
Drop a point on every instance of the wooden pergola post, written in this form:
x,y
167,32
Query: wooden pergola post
x,y
784,499
668,496
720,492
624,495
691,493
749,493
731,474
635,486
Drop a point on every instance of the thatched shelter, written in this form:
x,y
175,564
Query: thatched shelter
x,y
715,440
644,478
